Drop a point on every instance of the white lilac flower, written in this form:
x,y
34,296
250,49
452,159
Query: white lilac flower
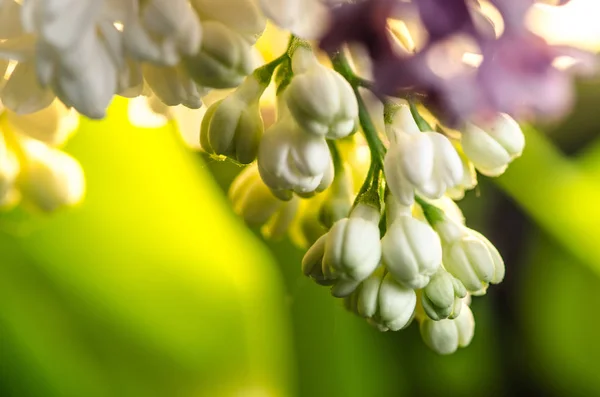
x,y
233,126
224,59
469,256
289,160
319,98
423,162
305,18
243,16
348,254
173,85
77,52
160,31
442,297
352,250
411,249
383,302
446,336
492,147
256,204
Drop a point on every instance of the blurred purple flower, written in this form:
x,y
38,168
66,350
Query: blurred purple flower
x,y
364,22
517,74
442,18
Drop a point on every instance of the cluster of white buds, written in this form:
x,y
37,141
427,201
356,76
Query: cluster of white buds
x,y
385,235
407,257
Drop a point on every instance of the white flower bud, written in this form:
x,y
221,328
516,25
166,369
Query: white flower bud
x,y
304,18
173,85
244,16
441,298
160,31
446,336
411,249
320,99
312,263
223,60
233,126
492,148
469,256
86,75
291,160
385,303
49,178
352,249
256,204
422,161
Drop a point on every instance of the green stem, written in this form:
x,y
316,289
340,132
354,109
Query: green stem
x,y
335,157
265,72
376,146
370,190
421,122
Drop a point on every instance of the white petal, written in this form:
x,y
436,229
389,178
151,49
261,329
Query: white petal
x,y
242,15
305,18
64,22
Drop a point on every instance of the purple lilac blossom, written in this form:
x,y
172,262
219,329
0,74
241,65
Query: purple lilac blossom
x,y
516,76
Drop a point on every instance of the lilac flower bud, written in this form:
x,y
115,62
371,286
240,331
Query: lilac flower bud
x,y
223,60
411,249
384,303
426,162
446,336
160,31
441,298
349,253
352,250
244,16
491,148
469,256
291,160
233,126
304,18
320,99
173,85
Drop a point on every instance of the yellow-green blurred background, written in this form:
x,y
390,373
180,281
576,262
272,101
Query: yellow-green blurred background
x,y
152,287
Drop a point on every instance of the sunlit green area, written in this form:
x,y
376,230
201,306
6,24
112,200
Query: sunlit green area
x,y
153,287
